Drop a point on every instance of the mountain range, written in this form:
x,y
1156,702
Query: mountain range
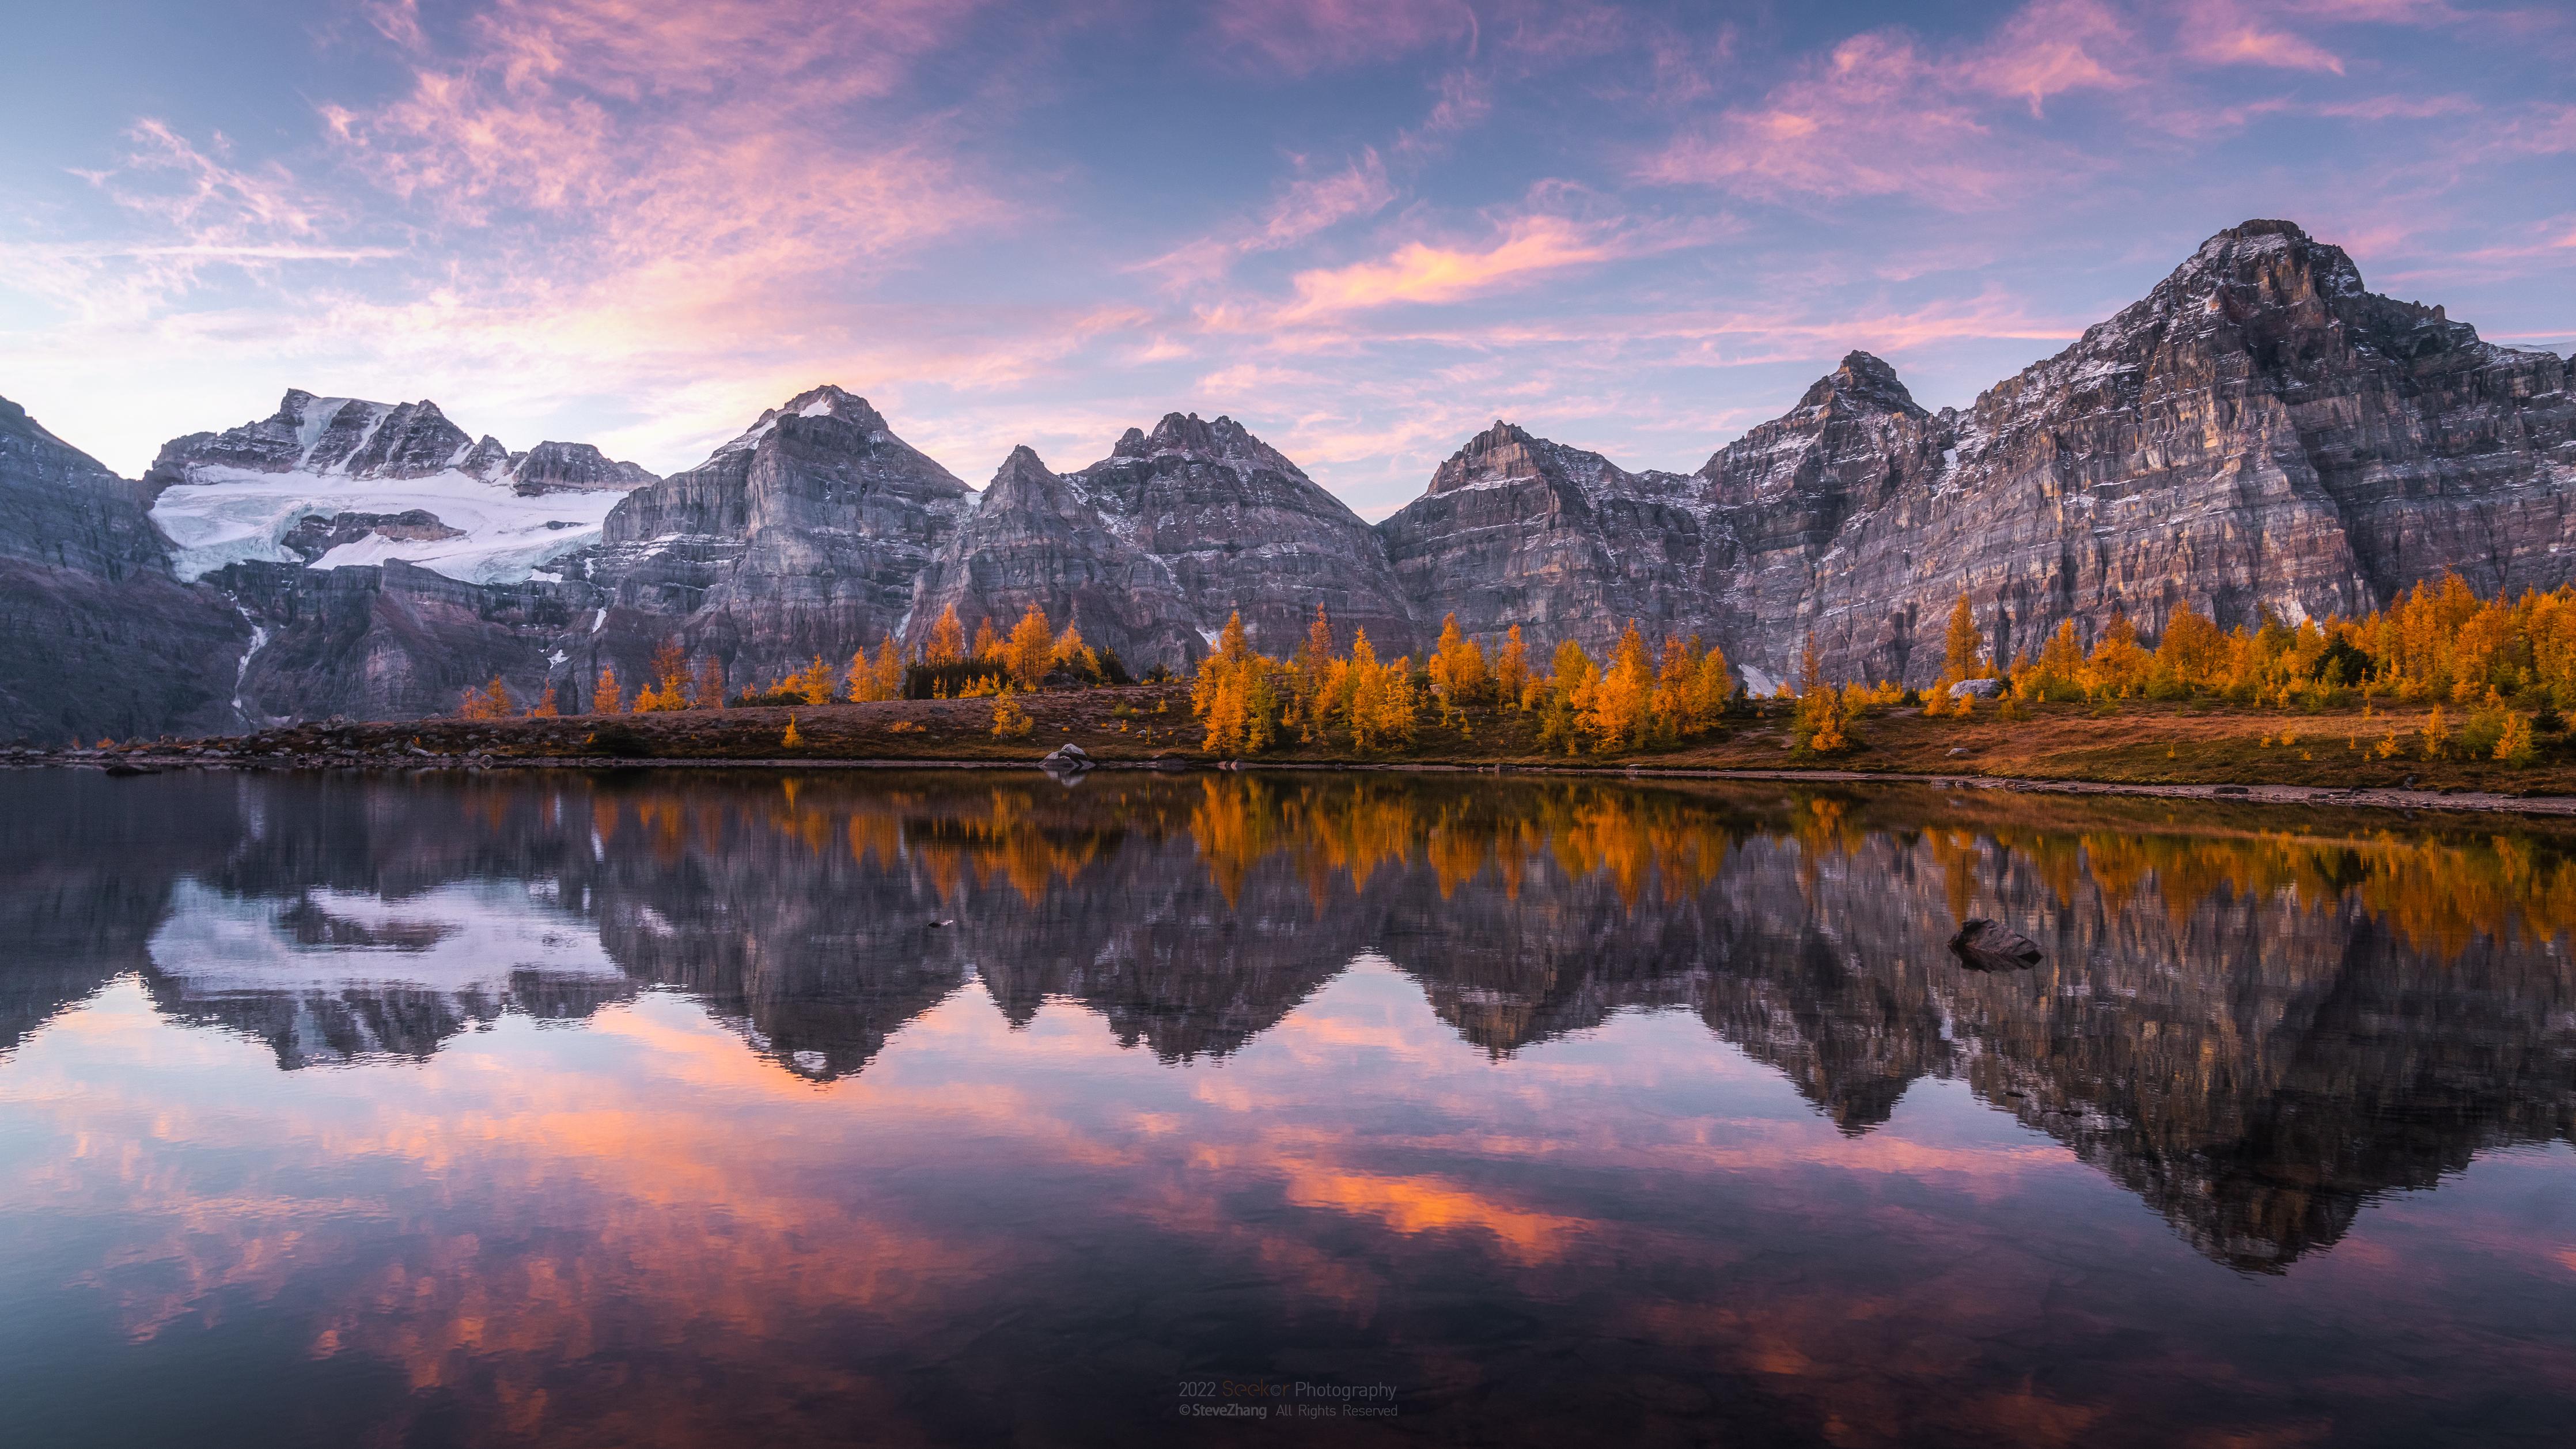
x,y
2260,433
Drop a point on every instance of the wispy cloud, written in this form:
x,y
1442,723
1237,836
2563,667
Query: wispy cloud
x,y
1305,206
2227,32
1300,37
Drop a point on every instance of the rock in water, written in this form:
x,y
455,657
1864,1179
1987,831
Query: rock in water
x,y
1984,945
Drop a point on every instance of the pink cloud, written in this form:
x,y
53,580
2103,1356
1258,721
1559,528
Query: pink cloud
x,y
2542,131
1306,206
1872,120
1881,116
703,132
1301,37
1419,272
2383,12
2226,32
2051,48
2400,108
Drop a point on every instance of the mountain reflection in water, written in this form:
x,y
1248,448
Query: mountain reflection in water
x,y
1465,1085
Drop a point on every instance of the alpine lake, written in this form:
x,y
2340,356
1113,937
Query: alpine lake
x,y
700,1107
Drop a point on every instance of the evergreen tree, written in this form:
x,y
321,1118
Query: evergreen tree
x,y
606,696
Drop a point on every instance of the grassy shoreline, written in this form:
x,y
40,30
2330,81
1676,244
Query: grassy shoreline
x,y
2140,747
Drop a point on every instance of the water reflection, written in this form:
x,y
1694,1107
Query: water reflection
x,y
1379,1046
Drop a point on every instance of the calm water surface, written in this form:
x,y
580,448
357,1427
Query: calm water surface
x,y
665,1109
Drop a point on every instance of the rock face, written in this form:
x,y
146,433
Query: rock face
x,y
572,468
2260,432
1150,549
394,641
323,467
341,435
1036,538
802,537
96,635
2256,1065
1520,530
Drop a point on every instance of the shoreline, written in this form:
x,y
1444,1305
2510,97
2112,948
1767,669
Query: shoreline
x,y
2454,800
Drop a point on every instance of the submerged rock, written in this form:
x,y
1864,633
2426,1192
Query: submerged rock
x,y
1984,945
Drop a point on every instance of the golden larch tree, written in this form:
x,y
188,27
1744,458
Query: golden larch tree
x,y
1511,669
947,639
1030,649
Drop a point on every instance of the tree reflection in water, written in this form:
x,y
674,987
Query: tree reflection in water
x,y
2254,1023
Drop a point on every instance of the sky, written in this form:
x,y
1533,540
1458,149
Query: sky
x,y
1364,228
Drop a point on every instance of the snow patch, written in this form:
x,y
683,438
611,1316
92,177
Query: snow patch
x,y
317,421
469,936
231,515
241,671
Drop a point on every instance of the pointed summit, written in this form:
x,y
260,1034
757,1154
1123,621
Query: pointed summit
x,y
833,401
1499,453
1021,475
1862,383
827,401
1221,441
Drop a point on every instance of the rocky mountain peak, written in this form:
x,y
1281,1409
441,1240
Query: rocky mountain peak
x,y
1019,470
1500,452
833,401
1862,383
827,401
1221,440
552,467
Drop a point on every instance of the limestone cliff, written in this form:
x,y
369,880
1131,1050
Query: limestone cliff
x,y
1150,549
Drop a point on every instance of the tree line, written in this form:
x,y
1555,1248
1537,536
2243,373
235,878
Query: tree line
x,y
1032,655
1639,697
